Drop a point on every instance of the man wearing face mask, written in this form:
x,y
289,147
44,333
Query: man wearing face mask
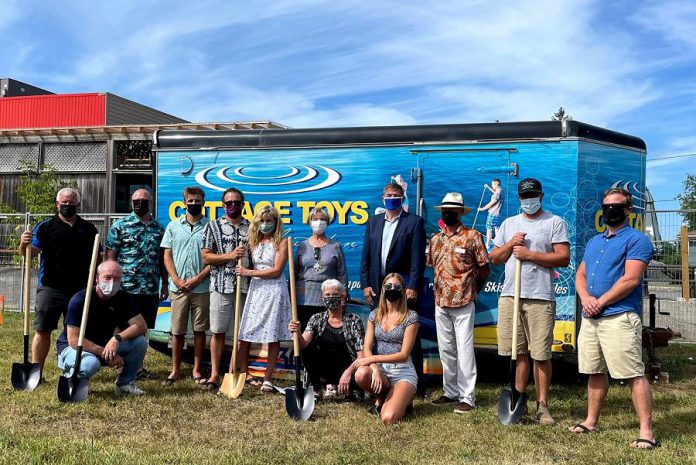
x,y
540,241
394,243
134,242
609,283
460,264
114,335
224,243
65,243
188,283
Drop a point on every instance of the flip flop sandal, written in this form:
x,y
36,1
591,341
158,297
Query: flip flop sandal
x,y
650,444
197,379
169,381
584,429
267,387
211,386
254,381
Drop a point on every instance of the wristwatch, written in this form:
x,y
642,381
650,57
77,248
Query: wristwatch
x,y
117,337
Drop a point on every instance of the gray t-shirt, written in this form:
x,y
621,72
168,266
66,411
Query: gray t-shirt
x,y
498,197
542,232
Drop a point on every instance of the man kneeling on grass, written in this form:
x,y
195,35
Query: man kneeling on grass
x,y
115,332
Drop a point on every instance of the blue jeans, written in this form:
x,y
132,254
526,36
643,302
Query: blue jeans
x,y
132,351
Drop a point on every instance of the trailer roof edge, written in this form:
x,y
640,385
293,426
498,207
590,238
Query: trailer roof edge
x,y
198,139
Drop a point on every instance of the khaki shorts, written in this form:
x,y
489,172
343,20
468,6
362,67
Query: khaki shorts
x,y
199,306
535,331
222,311
612,344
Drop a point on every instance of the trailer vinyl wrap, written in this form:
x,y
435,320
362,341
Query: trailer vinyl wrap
x,y
345,170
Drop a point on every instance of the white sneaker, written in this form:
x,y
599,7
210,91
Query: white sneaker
x,y
129,389
330,392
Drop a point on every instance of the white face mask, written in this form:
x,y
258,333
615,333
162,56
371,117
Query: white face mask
x,y
109,288
531,206
318,226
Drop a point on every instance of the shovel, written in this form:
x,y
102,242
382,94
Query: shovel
x,y
26,376
233,383
299,401
73,388
512,404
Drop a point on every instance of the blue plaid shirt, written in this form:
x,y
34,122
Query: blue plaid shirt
x,y
137,248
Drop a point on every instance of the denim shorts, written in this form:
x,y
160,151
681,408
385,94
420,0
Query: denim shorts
x,y
396,372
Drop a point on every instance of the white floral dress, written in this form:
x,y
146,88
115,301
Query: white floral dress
x,y
267,309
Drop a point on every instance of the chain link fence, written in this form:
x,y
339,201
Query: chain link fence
x,y
11,227
671,276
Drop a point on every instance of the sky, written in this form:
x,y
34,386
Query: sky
x,y
626,65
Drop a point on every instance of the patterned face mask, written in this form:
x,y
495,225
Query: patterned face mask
x,y
332,303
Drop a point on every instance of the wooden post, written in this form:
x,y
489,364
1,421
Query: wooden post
x,y
685,262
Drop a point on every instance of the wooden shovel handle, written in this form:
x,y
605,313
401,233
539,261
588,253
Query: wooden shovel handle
x,y
26,284
237,311
293,299
516,307
88,290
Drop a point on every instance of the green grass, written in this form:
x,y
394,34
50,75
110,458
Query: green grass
x,y
182,424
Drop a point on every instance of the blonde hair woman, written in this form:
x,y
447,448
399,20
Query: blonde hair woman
x,y
389,373
267,309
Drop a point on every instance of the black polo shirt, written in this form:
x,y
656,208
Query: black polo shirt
x,y
103,318
66,252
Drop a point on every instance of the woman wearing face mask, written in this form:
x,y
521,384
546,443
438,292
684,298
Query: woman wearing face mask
x,y
267,308
317,259
337,340
389,373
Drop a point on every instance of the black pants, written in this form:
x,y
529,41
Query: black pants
x,y
327,367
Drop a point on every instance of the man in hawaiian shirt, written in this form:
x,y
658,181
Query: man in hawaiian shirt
x,y
134,242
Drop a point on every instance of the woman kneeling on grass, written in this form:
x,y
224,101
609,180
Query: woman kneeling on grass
x,y
337,339
267,309
389,374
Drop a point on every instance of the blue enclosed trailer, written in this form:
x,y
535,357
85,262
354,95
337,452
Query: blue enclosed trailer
x,y
345,169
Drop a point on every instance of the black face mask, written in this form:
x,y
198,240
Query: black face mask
x,y
392,295
194,209
141,207
68,211
332,303
450,218
614,213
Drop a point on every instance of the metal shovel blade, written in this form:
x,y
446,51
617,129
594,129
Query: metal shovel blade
x,y
72,389
232,385
25,376
299,402
511,407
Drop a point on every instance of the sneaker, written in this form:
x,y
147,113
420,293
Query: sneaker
x,y
330,392
463,407
144,374
129,389
543,415
444,400
375,409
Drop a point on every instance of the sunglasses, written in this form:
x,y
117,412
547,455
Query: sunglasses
x,y
621,205
396,287
230,203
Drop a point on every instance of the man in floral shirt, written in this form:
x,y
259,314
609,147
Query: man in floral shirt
x,y
134,242
460,262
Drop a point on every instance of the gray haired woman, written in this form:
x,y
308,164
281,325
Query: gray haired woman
x,y
337,338
317,259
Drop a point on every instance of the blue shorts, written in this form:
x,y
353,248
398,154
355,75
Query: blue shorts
x,y
397,372
493,221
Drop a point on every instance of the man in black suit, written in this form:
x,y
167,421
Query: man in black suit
x,y
394,243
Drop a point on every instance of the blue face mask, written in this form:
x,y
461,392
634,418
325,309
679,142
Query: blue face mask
x,y
531,206
266,228
393,203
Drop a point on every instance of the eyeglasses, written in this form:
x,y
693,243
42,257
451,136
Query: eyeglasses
x,y
317,257
396,287
230,203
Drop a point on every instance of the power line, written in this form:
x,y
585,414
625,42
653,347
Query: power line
x,y
685,155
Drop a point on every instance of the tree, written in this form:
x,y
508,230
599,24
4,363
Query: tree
x,y
561,115
687,200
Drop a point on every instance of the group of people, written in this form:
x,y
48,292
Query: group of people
x,y
199,262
